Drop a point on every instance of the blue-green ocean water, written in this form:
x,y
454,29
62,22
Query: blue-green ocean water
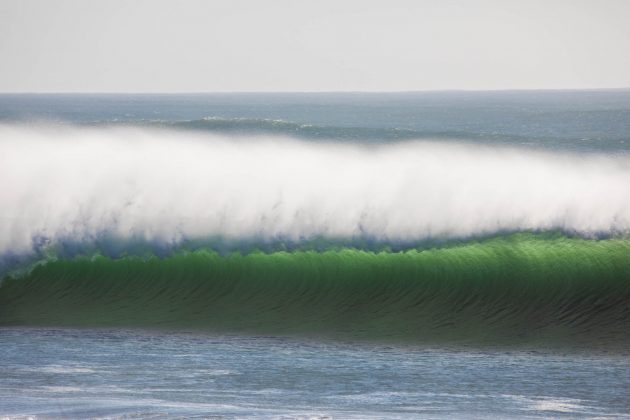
x,y
500,289
65,373
565,120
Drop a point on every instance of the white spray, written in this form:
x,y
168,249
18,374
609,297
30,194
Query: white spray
x,y
167,186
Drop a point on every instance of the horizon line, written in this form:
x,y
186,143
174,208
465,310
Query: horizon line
x,y
219,92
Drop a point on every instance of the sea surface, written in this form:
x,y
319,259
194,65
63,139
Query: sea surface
x,y
66,373
356,255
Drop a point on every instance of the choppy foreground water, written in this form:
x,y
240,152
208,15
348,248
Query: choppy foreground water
x,y
75,373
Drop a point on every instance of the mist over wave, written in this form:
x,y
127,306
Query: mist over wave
x,y
167,186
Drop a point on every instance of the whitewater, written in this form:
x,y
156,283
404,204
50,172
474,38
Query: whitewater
x,y
70,184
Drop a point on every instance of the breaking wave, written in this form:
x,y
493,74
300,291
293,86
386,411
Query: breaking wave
x,y
68,185
417,240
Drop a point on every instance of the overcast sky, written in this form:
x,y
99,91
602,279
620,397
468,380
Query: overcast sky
x,y
329,45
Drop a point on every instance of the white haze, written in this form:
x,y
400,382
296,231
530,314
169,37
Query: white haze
x,y
323,45
167,186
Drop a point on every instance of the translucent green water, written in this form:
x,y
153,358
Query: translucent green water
x,y
523,287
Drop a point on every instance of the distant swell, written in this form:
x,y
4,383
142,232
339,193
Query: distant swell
x,y
262,126
520,288
379,135
275,127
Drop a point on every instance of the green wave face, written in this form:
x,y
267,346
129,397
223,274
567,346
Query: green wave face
x,y
519,288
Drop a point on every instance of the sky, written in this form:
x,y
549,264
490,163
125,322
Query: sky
x,y
325,45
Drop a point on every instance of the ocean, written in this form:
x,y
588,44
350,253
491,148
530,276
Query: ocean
x,y
302,255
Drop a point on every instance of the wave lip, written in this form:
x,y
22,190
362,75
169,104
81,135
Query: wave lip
x,y
536,289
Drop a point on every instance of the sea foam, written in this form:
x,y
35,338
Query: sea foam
x,y
167,186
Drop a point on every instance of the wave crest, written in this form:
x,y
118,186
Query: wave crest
x,y
167,186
